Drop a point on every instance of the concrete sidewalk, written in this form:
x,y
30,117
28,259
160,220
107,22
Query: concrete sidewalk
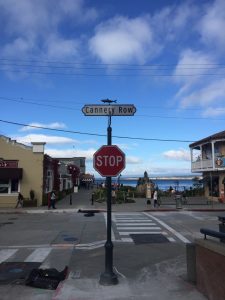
x,y
82,201
140,276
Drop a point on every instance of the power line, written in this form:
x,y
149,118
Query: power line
x,y
118,68
35,100
96,134
39,104
109,64
110,75
137,115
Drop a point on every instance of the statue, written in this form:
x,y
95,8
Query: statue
x,y
144,184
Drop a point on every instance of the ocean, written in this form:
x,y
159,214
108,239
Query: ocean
x,y
163,184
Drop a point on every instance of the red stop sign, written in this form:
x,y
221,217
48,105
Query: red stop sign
x,y
109,161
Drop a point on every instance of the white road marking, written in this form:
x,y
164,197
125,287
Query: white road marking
x,y
135,227
171,239
38,255
129,240
139,232
135,223
173,231
6,253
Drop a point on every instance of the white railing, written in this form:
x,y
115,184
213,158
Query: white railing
x,y
202,164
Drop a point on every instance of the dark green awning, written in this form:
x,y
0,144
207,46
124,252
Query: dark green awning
x,y
11,173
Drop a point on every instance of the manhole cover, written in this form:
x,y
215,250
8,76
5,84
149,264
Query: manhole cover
x,y
16,271
148,238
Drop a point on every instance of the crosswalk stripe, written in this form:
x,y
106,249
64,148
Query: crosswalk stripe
x,y
6,253
135,227
135,221
136,224
128,240
139,232
38,255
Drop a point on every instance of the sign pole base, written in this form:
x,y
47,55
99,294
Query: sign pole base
x,y
108,277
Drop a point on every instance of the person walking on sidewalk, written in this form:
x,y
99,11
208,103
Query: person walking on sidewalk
x,y
19,200
155,198
52,200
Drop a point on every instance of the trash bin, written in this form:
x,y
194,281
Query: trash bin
x,y
178,201
222,226
75,189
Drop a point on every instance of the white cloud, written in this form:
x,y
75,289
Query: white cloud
x,y
211,25
214,112
180,154
71,153
57,47
55,125
123,40
211,93
170,21
194,64
34,28
27,139
133,160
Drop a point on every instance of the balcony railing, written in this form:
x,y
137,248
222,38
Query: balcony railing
x,y
207,164
204,164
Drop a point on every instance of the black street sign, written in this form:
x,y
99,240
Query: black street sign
x,y
109,110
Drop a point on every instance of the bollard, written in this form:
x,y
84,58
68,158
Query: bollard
x,y
70,199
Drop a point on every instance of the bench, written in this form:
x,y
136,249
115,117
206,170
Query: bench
x,y
212,233
221,219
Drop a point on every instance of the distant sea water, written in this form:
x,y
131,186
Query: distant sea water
x,y
162,184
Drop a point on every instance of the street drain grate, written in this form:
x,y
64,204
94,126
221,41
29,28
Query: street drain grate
x,y
148,238
16,272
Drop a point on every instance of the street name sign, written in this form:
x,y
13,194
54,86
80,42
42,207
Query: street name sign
x,y
109,161
109,110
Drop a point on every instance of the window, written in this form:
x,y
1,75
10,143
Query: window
x,y
8,186
48,181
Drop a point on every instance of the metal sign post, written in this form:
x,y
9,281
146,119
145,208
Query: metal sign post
x,y
108,277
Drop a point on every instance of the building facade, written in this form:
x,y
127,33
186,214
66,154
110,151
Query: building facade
x,y
27,168
208,158
21,170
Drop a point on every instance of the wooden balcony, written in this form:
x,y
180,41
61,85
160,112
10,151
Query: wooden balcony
x,y
207,165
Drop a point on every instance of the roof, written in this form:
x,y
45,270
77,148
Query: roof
x,y
216,136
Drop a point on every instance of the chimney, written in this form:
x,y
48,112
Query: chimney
x,y
38,147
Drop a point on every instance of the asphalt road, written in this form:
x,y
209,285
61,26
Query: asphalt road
x,y
149,253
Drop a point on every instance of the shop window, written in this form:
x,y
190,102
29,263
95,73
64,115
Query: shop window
x,y
8,186
14,185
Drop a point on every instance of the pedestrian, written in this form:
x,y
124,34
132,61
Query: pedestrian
x,y
19,200
155,198
52,200
92,199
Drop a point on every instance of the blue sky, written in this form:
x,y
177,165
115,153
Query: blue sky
x,y
165,57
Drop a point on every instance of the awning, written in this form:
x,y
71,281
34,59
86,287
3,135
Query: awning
x,y
11,173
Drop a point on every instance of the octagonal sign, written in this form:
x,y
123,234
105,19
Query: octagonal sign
x,y
109,161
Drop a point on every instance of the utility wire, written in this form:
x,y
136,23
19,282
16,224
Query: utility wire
x,y
110,75
108,64
32,100
137,115
95,134
138,68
